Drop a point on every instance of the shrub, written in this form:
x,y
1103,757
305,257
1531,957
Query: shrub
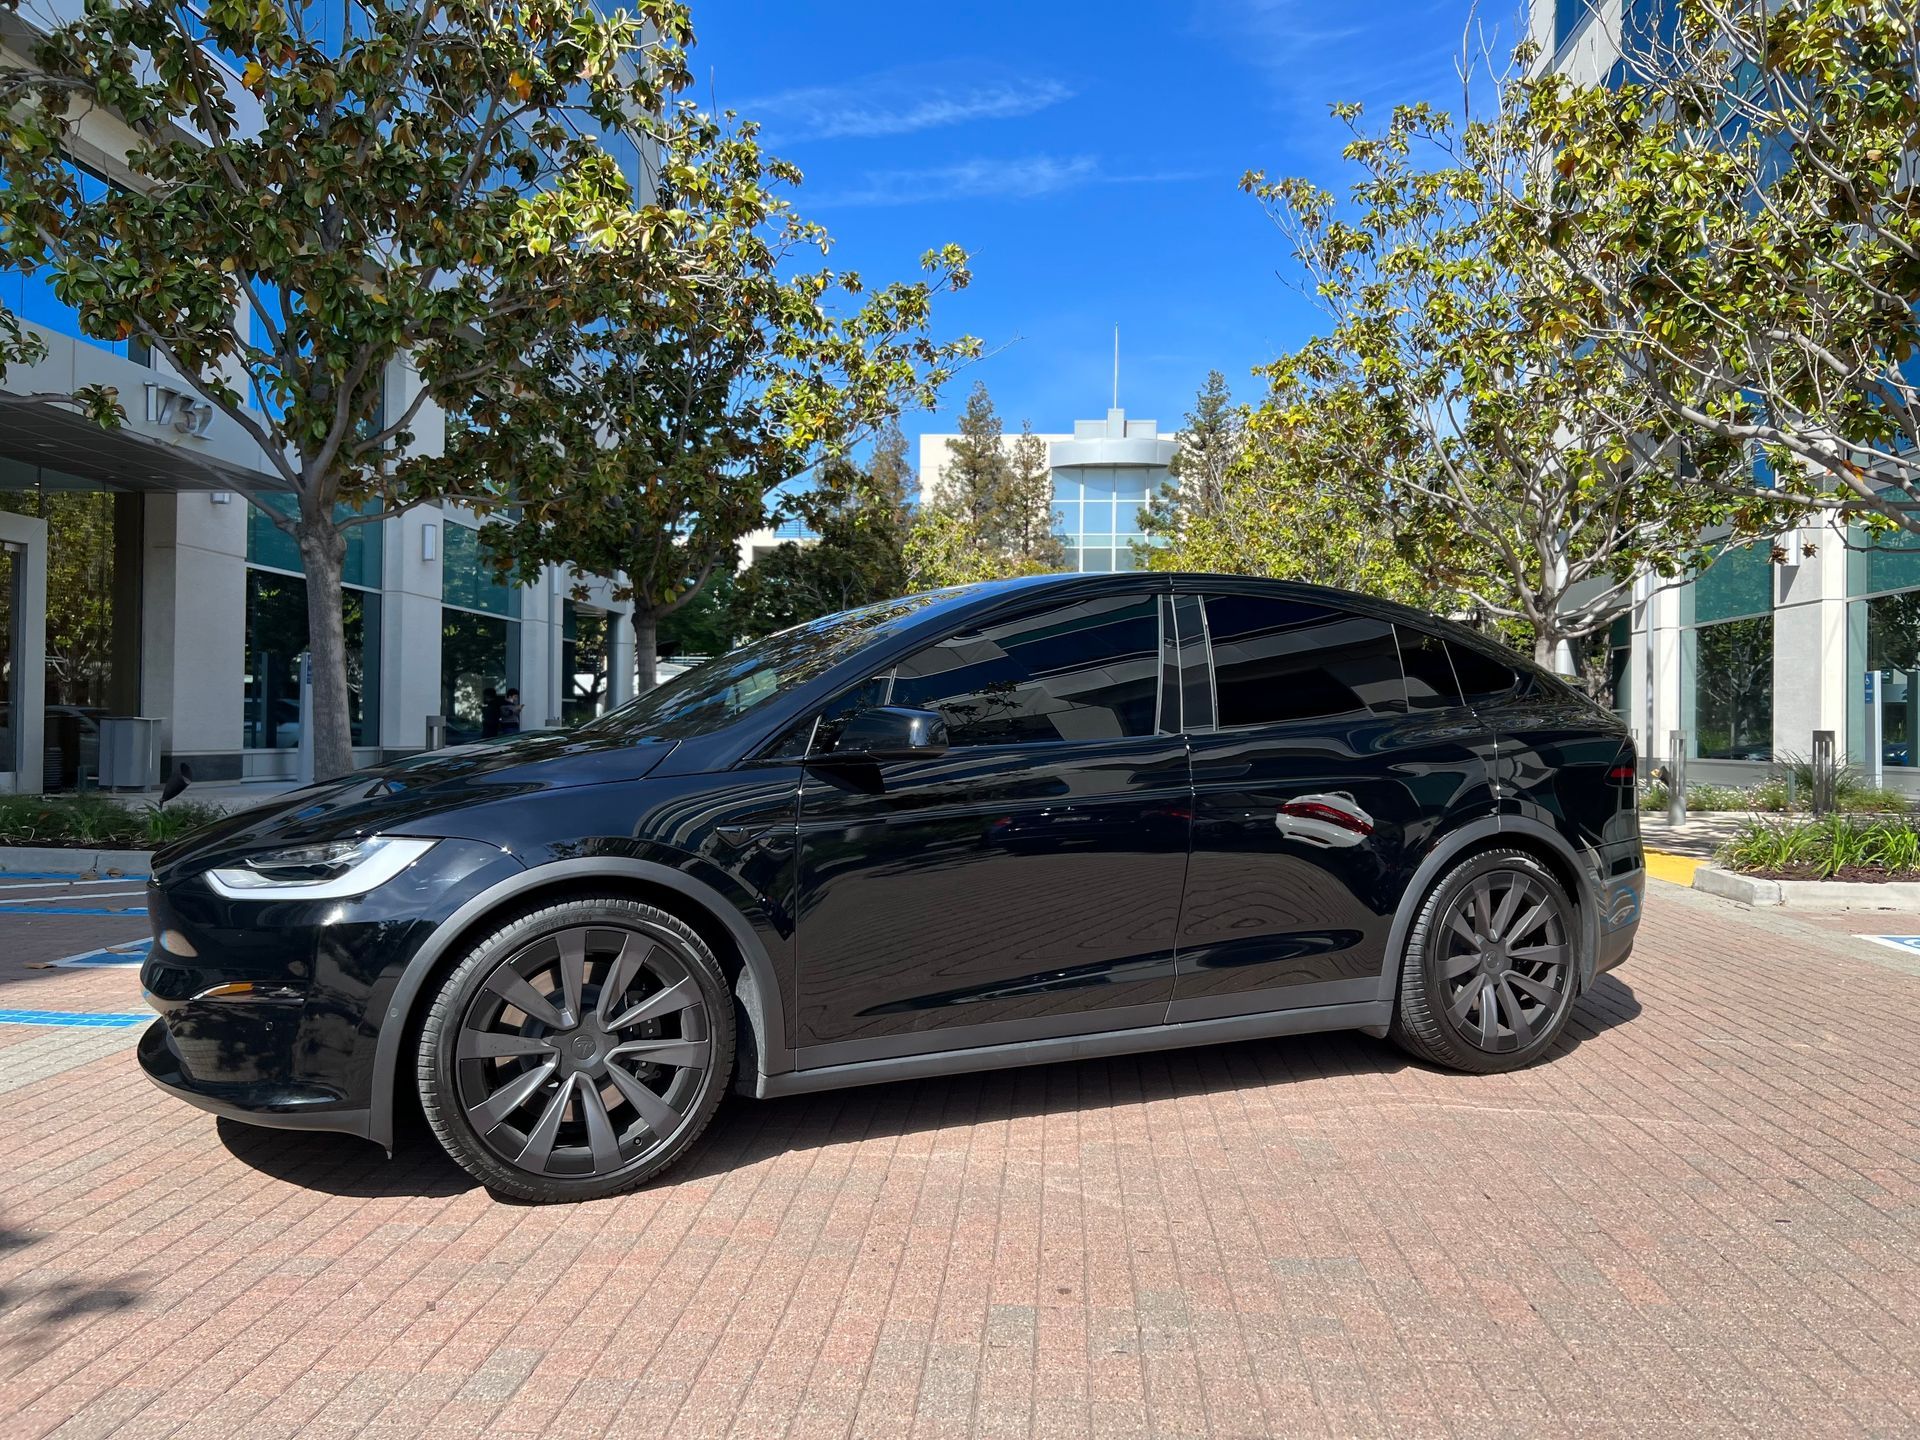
x,y
96,820
1818,849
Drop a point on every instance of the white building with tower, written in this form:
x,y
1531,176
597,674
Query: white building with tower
x,y
1103,472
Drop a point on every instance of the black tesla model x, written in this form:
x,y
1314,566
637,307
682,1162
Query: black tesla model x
x,y
995,825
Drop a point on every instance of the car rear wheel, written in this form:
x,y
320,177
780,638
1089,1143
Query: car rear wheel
x,y
1489,973
578,1051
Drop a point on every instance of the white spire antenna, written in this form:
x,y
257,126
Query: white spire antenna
x,y
1116,367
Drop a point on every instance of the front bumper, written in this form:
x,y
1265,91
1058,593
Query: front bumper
x,y
276,1104
300,1049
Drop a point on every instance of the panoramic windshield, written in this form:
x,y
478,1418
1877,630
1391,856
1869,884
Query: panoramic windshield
x,y
721,691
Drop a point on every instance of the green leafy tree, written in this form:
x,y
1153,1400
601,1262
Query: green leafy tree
x,y
426,183
1552,462
705,625
860,518
1741,220
1209,446
1304,499
643,447
990,511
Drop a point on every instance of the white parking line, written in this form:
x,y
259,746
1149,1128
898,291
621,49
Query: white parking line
x,y
42,899
61,884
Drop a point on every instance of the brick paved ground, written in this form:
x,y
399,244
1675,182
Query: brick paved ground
x,y
1701,1218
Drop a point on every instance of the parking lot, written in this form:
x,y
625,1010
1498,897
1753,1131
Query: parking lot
x,y
1701,1217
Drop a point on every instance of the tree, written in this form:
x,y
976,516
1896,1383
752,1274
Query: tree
x,y
1203,459
990,513
707,624
424,181
642,447
860,517
1305,499
1552,461
1033,545
1740,218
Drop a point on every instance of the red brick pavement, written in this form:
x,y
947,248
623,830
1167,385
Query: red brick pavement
x,y
1701,1218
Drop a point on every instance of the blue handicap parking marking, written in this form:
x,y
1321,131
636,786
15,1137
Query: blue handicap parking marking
x,y
130,952
71,1019
1908,943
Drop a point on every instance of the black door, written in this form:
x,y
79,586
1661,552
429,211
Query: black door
x,y
1317,790
1027,883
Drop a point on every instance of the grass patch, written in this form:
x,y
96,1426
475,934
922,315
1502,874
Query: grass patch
x,y
88,821
1837,846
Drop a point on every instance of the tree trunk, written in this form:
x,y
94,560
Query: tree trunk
x,y
646,648
1552,651
323,553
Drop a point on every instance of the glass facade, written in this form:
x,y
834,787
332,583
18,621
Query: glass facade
x,y
479,638
277,630
1883,637
1097,509
583,659
1727,657
479,663
30,294
467,578
276,638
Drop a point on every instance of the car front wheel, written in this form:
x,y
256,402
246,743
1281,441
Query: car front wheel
x,y
1488,977
577,1051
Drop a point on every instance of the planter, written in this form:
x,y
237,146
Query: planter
x,y
1809,894
74,860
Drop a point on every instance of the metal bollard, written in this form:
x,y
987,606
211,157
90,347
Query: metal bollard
x,y
1677,777
436,732
1825,772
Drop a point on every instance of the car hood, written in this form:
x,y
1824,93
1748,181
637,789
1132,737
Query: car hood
x,y
405,796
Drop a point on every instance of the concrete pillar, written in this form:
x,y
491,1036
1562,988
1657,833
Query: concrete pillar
x,y
410,628
26,537
1812,684
193,629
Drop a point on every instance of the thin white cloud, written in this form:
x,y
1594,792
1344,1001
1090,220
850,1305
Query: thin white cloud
x,y
1021,178
900,102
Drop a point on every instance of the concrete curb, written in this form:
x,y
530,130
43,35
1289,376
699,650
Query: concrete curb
x,y
53,860
1809,894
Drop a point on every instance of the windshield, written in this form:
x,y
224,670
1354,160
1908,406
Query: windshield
x,y
721,691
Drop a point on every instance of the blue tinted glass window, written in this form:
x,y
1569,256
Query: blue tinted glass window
x,y
467,577
1277,660
1087,671
30,295
268,544
1739,582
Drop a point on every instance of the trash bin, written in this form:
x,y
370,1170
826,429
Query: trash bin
x,y
129,752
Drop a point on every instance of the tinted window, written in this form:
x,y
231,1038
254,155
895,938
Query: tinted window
x,y
723,690
805,739
1277,660
1482,677
1088,671
1430,680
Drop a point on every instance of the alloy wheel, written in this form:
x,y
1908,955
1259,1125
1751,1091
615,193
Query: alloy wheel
x,y
1506,962
584,1051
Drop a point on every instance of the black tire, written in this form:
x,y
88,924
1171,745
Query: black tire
x,y
1491,966
566,1095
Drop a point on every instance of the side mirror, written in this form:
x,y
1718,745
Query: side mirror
x,y
891,732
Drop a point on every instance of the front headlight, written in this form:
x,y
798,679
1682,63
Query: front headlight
x,y
334,870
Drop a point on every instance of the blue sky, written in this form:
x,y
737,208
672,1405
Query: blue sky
x,y
1086,154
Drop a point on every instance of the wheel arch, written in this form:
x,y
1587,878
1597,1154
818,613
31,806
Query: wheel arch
x,y
756,988
1496,832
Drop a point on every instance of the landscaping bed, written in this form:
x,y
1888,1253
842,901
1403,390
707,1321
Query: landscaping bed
x,y
94,822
